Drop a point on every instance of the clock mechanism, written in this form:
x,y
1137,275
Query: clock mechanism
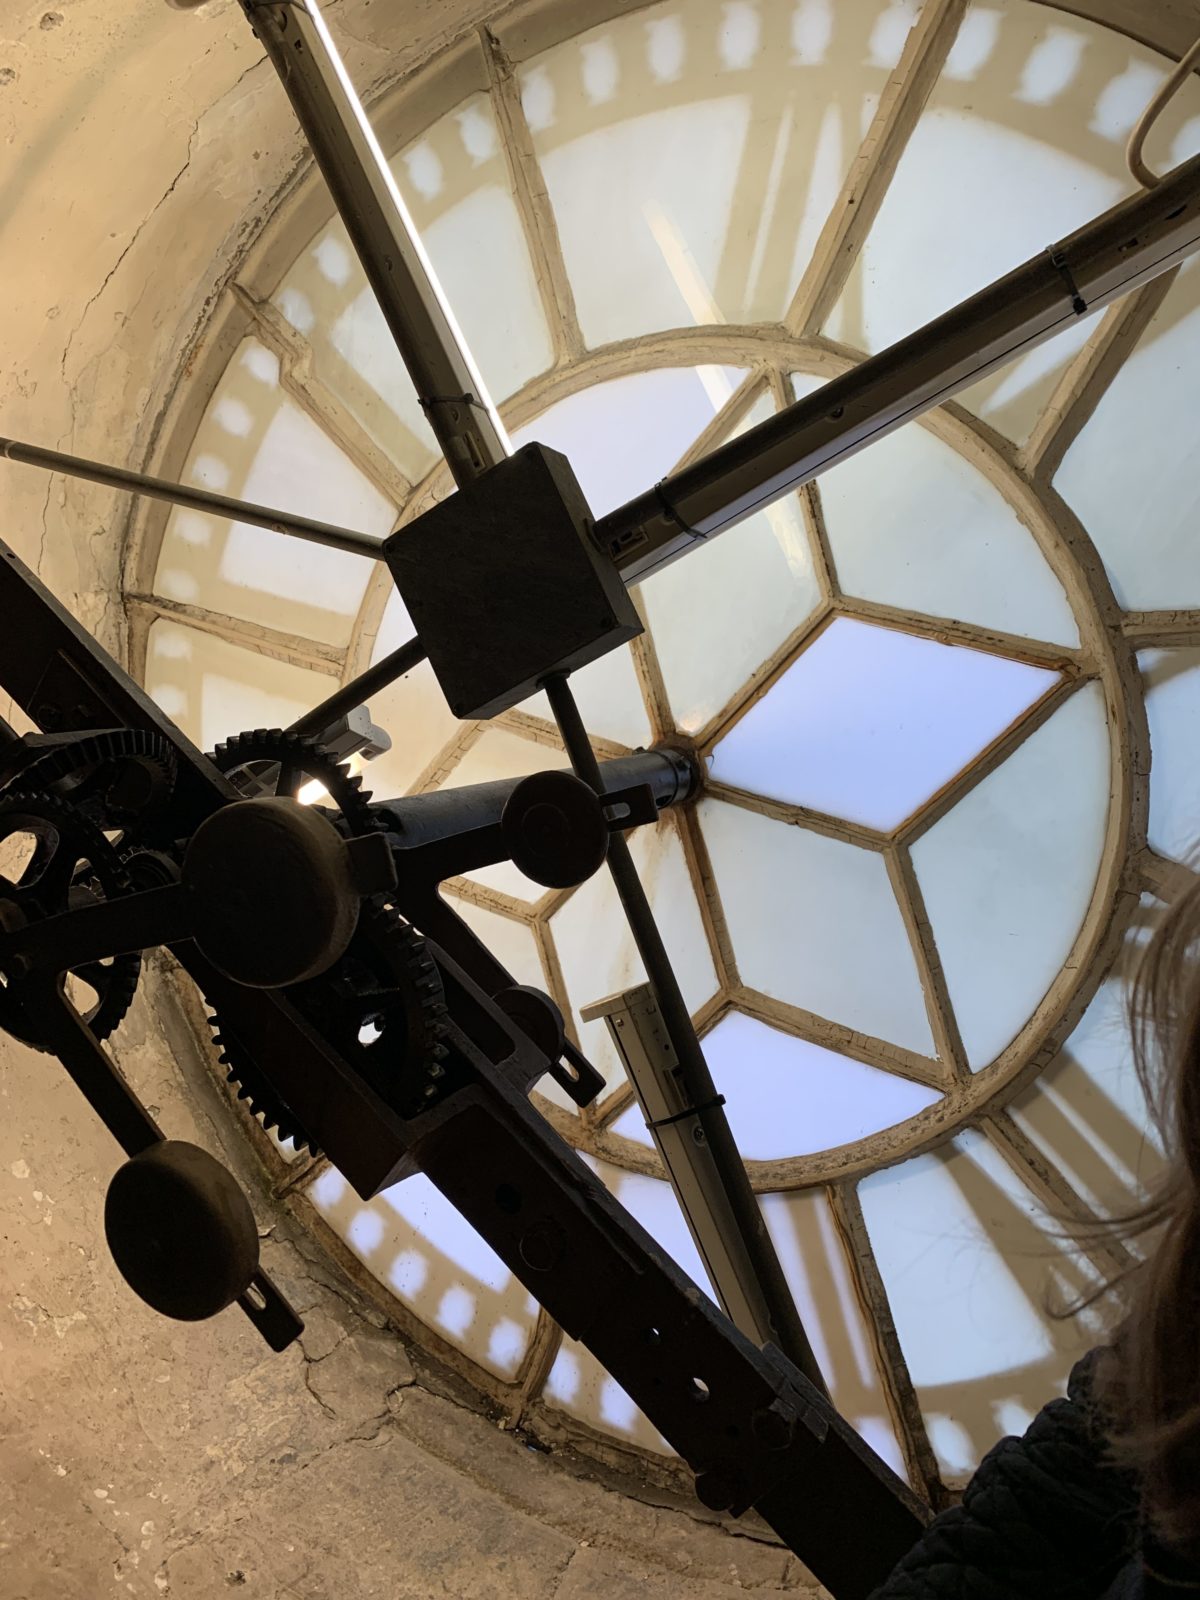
x,y
353,1010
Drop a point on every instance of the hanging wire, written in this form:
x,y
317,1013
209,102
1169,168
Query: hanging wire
x,y
1171,85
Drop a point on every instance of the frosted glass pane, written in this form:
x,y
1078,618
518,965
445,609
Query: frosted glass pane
x,y
1128,473
1022,141
512,943
609,698
1172,679
785,1096
912,524
214,689
578,1384
814,1263
870,722
502,755
622,436
420,1248
596,950
809,916
456,185
693,155
1008,874
969,1270
1086,1112
718,614
255,444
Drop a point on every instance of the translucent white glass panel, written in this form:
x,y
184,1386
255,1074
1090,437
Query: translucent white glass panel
x,y
456,185
719,613
1022,141
420,1248
1127,474
787,1097
413,710
870,722
623,435
912,524
214,689
814,1263
1008,874
499,755
693,155
578,1384
609,698
1086,1111
596,950
1172,679
256,445
970,1272
809,916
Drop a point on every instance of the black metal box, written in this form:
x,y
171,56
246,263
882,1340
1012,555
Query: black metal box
x,y
505,586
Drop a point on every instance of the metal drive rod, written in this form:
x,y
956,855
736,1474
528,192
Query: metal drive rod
x,y
32,455
765,1292
1125,247
447,381
353,694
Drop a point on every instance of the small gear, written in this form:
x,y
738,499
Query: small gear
x,y
382,1007
277,762
117,776
70,865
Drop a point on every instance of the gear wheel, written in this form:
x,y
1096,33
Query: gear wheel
x,y
120,775
283,761
71,865
382,1007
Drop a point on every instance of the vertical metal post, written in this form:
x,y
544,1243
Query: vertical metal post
x,y
772,1307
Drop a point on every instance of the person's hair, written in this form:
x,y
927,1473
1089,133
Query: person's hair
x,y
1151,1382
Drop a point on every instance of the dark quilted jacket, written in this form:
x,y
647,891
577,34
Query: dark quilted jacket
x,y
1048,1515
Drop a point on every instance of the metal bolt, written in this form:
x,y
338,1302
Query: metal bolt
x,y
719,1488
542,1246
773,1426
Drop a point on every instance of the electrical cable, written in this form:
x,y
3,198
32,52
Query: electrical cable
x,y
1146,176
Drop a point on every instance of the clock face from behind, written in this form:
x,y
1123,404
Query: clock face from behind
x,y
924,692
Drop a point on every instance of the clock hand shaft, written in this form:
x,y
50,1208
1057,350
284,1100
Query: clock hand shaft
x,y
1112,255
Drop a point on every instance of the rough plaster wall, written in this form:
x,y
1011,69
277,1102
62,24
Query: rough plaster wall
x,y
150,1458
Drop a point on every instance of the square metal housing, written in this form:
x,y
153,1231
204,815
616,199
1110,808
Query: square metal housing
x,y
505,586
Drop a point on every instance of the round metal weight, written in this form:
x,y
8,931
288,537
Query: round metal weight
x,y
555,830
181,1231
273,890
536,1015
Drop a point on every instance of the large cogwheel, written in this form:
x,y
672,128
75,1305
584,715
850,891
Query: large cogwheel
x,y
382,1008
117,777
274,761
52,859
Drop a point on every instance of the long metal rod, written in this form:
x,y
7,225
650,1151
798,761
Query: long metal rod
x,y
360,689
32,455
776,1320
447,381
1112,255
